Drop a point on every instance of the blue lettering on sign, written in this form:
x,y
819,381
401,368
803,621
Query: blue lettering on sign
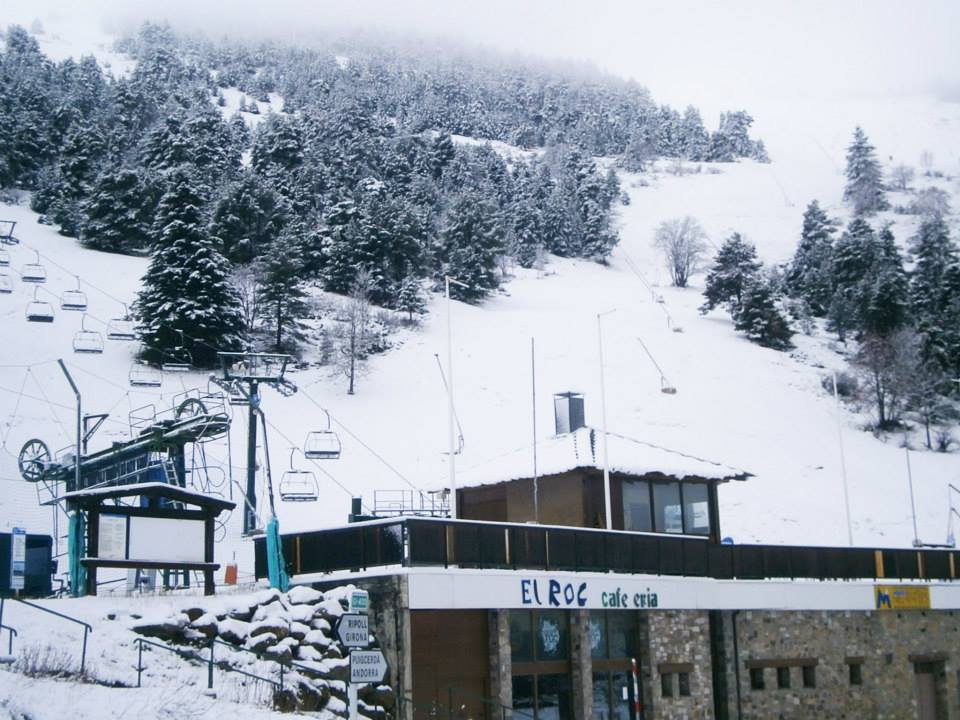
x,y
557,594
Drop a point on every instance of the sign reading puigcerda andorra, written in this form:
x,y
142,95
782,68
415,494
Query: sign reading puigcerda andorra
x,y
549,592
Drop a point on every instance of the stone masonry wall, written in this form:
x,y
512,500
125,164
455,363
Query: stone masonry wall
x,y
888,642
680,637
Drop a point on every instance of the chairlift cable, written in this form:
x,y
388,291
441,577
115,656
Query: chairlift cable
x,y
16,407
361,442
56,417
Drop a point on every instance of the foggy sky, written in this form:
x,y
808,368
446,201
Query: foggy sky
x,y
716,54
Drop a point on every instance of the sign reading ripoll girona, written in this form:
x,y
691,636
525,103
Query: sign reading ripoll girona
x,y
353,631
367,666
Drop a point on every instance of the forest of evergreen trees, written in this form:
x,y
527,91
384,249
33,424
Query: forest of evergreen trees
x,y
359,173
905,321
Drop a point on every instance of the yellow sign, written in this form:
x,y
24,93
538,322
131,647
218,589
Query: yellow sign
x,y
902,597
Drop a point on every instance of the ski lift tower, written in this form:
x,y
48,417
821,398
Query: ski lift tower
x,y
243,374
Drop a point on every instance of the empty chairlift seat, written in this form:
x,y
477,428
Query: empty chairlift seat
x,y
322,445
6,285
177,359
87,342
75,300
121,328
6,232
34,272
145,376
298,485
4,258
39,310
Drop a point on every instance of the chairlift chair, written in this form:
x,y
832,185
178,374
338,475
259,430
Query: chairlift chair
x,y
121,328
87,342
298,485
6,286
177,359
75,300
4,258
39,310
6,232
322,444
34,272
145,376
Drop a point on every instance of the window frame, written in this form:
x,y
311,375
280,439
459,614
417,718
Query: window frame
x,y
757,680
809,675
783,677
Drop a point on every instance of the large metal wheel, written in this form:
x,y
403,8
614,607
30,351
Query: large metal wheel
x,y
191,407
33,460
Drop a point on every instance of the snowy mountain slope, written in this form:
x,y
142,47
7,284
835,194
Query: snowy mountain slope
x,y
737,404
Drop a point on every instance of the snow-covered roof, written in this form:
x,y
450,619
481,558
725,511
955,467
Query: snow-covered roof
x,y
160,489
584,449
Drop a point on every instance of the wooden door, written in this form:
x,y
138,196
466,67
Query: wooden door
x,y
925,687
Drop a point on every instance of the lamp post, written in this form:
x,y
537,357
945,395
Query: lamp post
x,y
608,513
450,417
843,463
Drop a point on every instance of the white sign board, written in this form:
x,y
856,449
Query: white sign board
x,y
367,666
354,631
18,559
112,537
359,601
164,539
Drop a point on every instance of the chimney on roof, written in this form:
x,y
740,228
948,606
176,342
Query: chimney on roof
x,y
568,412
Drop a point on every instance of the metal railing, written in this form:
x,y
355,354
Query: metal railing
x,y
12,633
423,541
455,710
212,662
87,628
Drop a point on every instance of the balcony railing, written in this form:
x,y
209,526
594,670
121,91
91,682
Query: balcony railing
x,y
418,542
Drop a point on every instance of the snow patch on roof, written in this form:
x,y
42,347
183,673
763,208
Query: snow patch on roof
x,y
584,449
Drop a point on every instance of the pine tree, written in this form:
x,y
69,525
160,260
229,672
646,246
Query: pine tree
x,y
248,218
410,298
470,246
758,316
854,254
282,291
809,274
864,177
186,289
935,292
885,297
734,267
117,214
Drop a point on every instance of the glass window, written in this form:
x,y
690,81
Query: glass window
x,y
856,674
523,698
621,631
521,639
756,678
809,676
683,683
666,684
696,509
621,687
554,701
666,508
598,635
601,696
636,506
551,640
783,677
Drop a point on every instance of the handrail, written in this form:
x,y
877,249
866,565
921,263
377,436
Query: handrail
x,y
87,628
12,634
140,642
504,709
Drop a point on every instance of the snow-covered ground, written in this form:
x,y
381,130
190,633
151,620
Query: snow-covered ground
x,y
737,404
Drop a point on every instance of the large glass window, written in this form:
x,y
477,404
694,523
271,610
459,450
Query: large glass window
x,y
521,637
696,509
636,506
667,512
612,695
540,648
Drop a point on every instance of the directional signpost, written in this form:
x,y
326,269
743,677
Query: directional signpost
x,y
353,632
367,666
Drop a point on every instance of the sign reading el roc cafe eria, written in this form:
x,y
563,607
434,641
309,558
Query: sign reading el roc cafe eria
x,y
550,592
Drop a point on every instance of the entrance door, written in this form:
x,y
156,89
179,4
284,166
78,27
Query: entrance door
x,y
925,686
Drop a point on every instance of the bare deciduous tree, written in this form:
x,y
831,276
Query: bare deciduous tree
x,y
683,244
353,335
901,176
244,280
888,366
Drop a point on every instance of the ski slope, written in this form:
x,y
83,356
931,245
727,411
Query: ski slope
x,y
737,404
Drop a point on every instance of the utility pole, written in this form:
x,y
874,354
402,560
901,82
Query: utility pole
x,y
450,415
608,511
250,514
